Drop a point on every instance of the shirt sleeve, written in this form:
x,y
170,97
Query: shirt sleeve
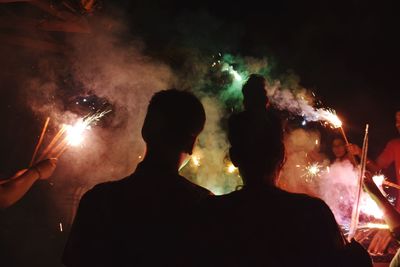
x,y
387,156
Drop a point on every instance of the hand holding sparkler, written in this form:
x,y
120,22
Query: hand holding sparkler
x,y
14,188
45,168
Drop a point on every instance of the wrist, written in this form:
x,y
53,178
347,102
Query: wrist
x,y
36,170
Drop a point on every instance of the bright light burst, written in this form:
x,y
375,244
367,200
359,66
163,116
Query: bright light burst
x,y
312,170
369,207
330,117
378,180
231,168
232,72
196,160
75,133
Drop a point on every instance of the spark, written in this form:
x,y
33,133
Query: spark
x,y
312,170
378,179
330,117
232,72
61,227
75,133
231,168
196,160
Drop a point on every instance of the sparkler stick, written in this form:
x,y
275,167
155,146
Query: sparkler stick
x,y
391,184
59,147
61,151
356,207
352,158
53,142
46,123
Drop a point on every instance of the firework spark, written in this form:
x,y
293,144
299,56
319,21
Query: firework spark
x,y
231,168
75,133
329,116
312,170
195,160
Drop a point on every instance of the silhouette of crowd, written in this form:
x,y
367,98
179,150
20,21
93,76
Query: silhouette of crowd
x,y
155,217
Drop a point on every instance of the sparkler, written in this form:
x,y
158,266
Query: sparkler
x,y
231,168
46,123
313,170
53,142
356,208
73,134
331,117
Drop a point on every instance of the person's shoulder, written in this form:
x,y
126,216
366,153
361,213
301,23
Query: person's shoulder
x,y
303,200
194,188
105,189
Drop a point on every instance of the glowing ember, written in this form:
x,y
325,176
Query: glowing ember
x,y
196,160
75,133
313,169
232,72
369,207
231,168
330,117
378,180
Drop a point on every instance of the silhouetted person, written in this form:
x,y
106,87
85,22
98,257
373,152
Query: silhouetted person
x,y
136,221
262,225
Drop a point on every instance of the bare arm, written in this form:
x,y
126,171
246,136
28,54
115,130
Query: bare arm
x,y
16,187
391,215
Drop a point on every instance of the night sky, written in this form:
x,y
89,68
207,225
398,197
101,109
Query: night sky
x,y
345,51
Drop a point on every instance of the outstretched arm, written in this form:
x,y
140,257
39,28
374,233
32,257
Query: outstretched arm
x,y
13,189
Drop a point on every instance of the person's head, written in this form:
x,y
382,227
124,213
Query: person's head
x,y
339,147
173,121
257,148
254,93
398,120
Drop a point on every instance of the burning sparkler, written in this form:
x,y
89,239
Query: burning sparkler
x,y
313,169
356,207
231,168
73,134
195,160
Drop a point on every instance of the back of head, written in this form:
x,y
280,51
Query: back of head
x,y
254,93
173,119
257,147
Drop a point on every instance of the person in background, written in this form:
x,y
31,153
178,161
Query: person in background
x,y
390,155
262,225
15,187
339,150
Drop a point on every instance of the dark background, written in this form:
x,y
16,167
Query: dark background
x,y
346,51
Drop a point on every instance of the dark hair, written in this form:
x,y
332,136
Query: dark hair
x,y
173,116
257,142
254,94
